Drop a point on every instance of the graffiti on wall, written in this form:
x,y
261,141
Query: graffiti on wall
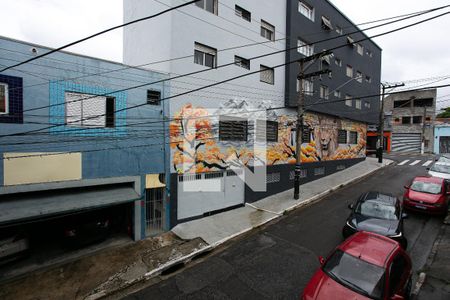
x,y
196,147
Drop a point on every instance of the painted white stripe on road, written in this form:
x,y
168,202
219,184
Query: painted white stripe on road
x,y
415,162
427,163
403,162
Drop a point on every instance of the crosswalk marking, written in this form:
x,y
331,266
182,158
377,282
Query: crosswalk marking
x,y
403,162
415,162
427,163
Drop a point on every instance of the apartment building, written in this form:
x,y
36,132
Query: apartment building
x,y
224,133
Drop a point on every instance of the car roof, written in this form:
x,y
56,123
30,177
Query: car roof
x,y
379,197
429,179
370,247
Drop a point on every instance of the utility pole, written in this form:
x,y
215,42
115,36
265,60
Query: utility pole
x,y
300,111
422,146
381,120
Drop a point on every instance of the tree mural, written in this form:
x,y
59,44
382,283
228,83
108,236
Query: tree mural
x,y
196,147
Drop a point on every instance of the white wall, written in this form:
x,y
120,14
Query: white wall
x,y
173,35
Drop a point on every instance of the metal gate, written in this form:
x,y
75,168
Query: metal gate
x,y
444,144
202,193
154,210
406,142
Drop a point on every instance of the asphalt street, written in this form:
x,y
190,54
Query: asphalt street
x,y
277,261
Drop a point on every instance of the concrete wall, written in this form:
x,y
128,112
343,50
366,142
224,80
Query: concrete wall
x,y
409,110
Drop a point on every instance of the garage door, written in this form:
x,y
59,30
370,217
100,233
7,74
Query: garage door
x,y
406,142
199,194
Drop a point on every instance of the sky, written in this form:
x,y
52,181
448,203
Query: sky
x,y
415,53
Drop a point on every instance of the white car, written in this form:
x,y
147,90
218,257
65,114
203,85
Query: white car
x,y
440,169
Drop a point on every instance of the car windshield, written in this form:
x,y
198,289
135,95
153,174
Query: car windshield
x,y
376,209
356,274
426,187
440,168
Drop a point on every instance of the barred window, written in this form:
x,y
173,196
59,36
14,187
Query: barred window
x,y
306,135
242,62
233,129
153,97
267,74
353,137
271,131
342,136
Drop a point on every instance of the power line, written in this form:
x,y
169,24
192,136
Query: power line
x,y
99,33
224,65
230,79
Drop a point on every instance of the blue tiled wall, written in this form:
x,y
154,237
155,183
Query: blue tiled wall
x,y
58,113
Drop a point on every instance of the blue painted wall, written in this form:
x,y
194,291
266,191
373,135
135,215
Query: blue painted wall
x,y
439,131
136,146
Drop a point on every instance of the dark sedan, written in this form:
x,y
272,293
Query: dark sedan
x,y
379,213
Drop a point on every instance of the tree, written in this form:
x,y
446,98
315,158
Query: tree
x,y
444,114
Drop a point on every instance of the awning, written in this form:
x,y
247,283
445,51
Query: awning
x,y
326,23
18,208
350,41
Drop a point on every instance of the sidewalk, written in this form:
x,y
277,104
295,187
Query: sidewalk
x,y
437,270
112,270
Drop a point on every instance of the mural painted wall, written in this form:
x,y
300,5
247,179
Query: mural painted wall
x,y
195,144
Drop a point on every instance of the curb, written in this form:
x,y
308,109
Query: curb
x,y
187,258
430,259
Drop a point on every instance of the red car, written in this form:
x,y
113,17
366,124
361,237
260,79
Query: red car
x,y
365,266
427,194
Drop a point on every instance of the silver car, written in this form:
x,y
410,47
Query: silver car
x,y
440,169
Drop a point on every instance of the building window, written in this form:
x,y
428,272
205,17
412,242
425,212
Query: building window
x,y
348,100
306,135
267,31
353,137
324,92
368,79
153,97
304,48
417,119
338,62
233,130
342,136
349,71
4,99
271,131
306,10
204,55
402,103
337,93
427,119
326,23
339,30
208,5
397,120
426,102
367,104
267,74
360,49
308,87
359,76
406,120
242,62
87,110
358,103
244,14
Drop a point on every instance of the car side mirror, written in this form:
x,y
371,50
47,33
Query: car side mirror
x,y
406,187
404,216
350,206
397,297
321,260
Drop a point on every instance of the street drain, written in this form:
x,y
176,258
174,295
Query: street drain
x,y
173,269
